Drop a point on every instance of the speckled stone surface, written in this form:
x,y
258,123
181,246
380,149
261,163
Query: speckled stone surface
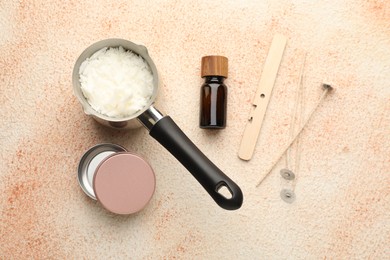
x,y
342,189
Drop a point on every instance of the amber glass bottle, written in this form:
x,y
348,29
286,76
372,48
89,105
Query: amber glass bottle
x,y
213,94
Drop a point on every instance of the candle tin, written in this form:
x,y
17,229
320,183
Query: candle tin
x,y
121,181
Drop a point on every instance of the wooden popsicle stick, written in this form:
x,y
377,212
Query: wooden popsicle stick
x,y
262,97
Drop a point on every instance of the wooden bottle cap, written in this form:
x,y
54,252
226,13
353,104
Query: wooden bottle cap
x,y
214,66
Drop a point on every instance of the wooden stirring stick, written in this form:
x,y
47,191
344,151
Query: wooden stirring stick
x,y
262,97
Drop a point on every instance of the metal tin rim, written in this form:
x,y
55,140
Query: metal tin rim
x,y
86,159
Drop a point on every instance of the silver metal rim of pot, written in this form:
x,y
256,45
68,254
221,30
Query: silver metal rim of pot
x,y
113,42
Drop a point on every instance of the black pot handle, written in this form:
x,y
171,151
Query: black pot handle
x,y
169,135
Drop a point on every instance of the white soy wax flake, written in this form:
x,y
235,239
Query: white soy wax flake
x,y
116,82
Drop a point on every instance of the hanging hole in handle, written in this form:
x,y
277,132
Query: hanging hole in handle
x,y
224,191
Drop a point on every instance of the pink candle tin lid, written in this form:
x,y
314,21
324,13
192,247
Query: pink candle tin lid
x,y
122,182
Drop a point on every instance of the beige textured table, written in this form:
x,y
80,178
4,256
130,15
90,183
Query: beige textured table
x,y
342,190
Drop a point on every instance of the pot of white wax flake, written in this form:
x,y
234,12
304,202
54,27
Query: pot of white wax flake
x,y
117,82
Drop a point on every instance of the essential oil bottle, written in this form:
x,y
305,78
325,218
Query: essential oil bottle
x,y
213,93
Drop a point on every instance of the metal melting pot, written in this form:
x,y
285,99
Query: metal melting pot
x,y
163,129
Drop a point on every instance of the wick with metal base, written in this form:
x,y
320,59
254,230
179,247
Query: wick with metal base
x,y
326,88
